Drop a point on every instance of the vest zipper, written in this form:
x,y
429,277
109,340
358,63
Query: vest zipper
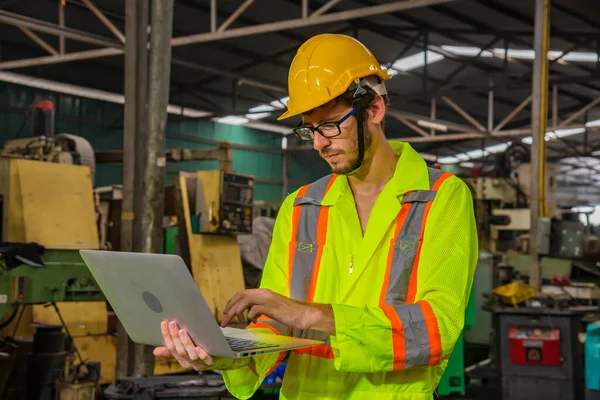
x,y
351,267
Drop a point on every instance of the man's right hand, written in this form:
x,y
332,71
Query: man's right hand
x,y
179,345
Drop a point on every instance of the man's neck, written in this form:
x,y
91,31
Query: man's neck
x,y
375,171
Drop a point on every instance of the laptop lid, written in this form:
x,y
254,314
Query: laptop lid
x,y
145,289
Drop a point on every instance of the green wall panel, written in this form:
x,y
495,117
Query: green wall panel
x,y
101,123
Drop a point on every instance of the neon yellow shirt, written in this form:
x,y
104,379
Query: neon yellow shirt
x,y
369,356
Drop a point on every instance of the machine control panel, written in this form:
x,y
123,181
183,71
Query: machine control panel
x,y
237,200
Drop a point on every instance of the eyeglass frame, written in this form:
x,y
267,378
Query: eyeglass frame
x,y
314,129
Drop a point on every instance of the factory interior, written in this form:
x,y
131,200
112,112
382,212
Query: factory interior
x,y
153,125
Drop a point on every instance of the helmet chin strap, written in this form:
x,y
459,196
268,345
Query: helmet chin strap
x,y
361,96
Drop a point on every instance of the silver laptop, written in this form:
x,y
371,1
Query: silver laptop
x,y
145,289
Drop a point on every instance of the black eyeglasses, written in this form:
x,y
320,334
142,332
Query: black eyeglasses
x,y
326,129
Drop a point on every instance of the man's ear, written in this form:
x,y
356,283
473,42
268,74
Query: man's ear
x,y
377,110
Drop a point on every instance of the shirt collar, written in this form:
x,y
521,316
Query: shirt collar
x,y
410,174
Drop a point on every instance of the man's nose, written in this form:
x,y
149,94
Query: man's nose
x,y
320,141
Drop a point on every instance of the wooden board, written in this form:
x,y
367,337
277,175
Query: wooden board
x,y
216,262
51,204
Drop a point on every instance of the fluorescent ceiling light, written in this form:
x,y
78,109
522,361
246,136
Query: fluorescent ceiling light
x,y
390,71
568,132
581,56
232,120
281,103
593,123
448,160
416,60
528,140
467,164
497,148
467,51
462,156
261,108
258,115
432,125
477,153
284,143
583,209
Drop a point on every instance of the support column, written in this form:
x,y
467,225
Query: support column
x,y
154,160
539,117
124,362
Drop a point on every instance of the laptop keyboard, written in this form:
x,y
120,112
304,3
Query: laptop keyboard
x,y
245,344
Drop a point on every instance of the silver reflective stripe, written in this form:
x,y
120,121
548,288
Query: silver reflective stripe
x,y
434,175
405,252
407,242
306,252
419,196
311,334
406,245
416,338
315,192
306,246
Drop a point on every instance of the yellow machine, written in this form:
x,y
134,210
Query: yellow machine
x,y
48,198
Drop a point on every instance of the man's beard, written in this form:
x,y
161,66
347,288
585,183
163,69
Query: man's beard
x,y
350,167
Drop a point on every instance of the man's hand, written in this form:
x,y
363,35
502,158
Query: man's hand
x,y
179,345
293,313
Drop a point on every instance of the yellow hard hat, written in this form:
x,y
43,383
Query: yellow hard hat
x,y
324,67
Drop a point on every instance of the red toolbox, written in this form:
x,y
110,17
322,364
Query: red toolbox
x,y
534,346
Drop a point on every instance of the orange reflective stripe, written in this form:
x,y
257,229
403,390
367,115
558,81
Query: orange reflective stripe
x,y
292,247
277,363
399,223
322,351
433,332
398,342
412,286
321,239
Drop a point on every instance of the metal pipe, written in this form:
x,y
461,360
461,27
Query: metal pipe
x,y
362,12
464,114
235,15
304,8
124,361
325,7
538,126
512,114
213,15
41,42
433,110
154,158
490,124
554,107
14,19
111,27
414,127
416,117
239,32
61,24
47,60
578,113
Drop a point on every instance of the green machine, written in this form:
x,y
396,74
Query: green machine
x,y
453,380
63,277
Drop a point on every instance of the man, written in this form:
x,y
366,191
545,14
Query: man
x,y
376,259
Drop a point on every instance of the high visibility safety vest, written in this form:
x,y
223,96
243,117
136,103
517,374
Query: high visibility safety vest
x,y
398,293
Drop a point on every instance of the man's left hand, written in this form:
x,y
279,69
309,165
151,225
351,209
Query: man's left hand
x,y
293,313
